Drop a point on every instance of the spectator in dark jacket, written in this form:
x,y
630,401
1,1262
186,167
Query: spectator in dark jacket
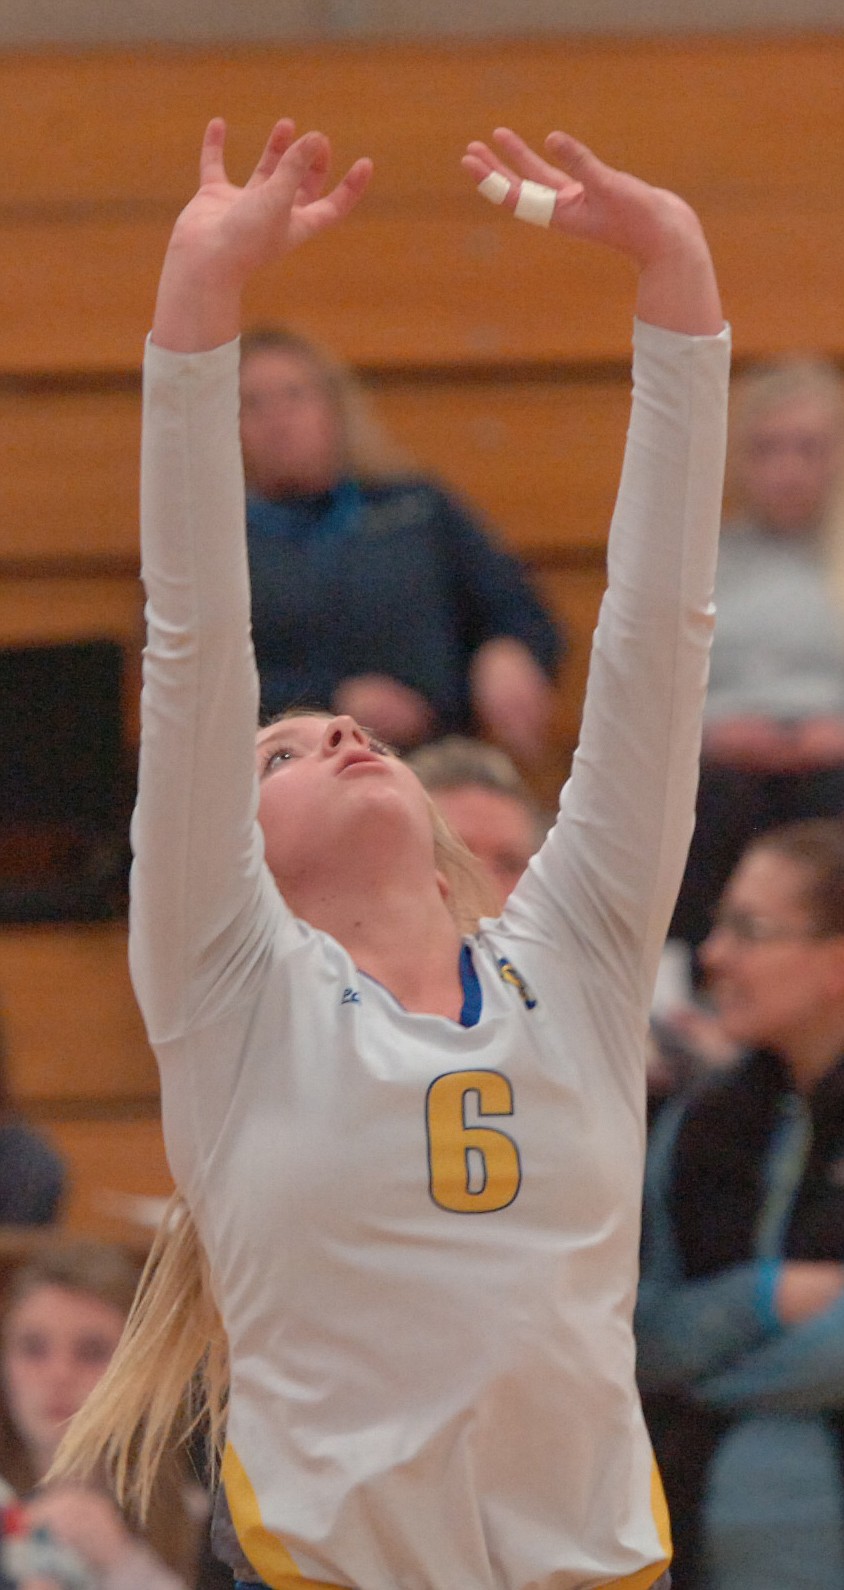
x,y
374,591
740,1322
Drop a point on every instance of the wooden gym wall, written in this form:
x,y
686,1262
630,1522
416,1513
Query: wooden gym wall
x,y
496,353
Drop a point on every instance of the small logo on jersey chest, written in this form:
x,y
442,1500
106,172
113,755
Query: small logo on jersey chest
x,y
350,997
508,974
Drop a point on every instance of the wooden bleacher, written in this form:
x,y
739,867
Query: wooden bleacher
x,y
498,356
80,1066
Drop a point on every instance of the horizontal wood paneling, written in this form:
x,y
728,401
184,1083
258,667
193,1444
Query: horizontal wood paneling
x,y
106,151
73,1028
48,608
440,287
108,1163
539,457
705,113
429,287
69,474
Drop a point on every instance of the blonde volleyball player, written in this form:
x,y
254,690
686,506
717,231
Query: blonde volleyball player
x,y
409,1155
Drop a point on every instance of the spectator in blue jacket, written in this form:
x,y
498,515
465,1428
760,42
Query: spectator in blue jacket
x,y
374,591
741,1314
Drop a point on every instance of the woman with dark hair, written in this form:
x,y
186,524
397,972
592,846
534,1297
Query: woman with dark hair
x,y
63,1316
740,1323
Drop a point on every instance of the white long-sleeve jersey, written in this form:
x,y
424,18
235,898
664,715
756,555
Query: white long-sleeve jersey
x,y
423,1236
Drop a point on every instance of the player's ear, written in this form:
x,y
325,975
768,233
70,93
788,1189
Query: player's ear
x,y
443,885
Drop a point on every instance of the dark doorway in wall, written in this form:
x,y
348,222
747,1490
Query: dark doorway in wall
x,y
65,787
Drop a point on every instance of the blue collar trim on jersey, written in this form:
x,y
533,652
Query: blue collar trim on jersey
x,y
472,996
311,516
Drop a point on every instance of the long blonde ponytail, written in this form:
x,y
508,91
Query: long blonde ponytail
x,y
170,1371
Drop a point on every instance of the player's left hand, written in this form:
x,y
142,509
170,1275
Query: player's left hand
x,y
594,201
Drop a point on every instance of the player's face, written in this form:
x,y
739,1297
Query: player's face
x,y
330,794
496,827
289,428
772,977
790,464
57,1344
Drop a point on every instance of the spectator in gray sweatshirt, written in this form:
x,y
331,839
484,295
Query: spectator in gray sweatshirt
x,y
773,746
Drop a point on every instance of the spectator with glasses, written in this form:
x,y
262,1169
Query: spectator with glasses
x,y
740,1321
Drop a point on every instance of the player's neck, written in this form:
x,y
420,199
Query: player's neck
x,y
409,943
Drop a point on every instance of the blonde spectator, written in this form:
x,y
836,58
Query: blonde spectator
x,y
773,746
485,800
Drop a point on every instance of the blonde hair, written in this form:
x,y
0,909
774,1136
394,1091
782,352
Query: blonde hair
x,y
170,1371
369,453
758,394
458,761
760,391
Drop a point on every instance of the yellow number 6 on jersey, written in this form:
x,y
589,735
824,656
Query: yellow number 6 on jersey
x,y
473,1169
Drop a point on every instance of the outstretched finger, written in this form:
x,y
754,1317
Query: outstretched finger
x,y
494,180
314,178
530,188
211,164
526,161
577,162
291,171
479,160
276,145
342,199
576,159
528,200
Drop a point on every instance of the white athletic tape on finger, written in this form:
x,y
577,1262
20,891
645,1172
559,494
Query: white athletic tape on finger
x,y
494,187
536,203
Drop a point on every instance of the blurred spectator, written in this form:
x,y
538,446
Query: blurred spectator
x,y
773,748
32,1175
740,1323
686,1039
374,591
485,800
64,1314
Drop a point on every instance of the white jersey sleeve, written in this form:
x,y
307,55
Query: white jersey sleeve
x,y
203,907
613,862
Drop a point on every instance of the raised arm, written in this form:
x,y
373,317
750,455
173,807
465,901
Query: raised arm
x,y
612,866
586,199
225,234
202,906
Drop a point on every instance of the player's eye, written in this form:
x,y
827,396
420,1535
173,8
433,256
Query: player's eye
x,y
276,758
